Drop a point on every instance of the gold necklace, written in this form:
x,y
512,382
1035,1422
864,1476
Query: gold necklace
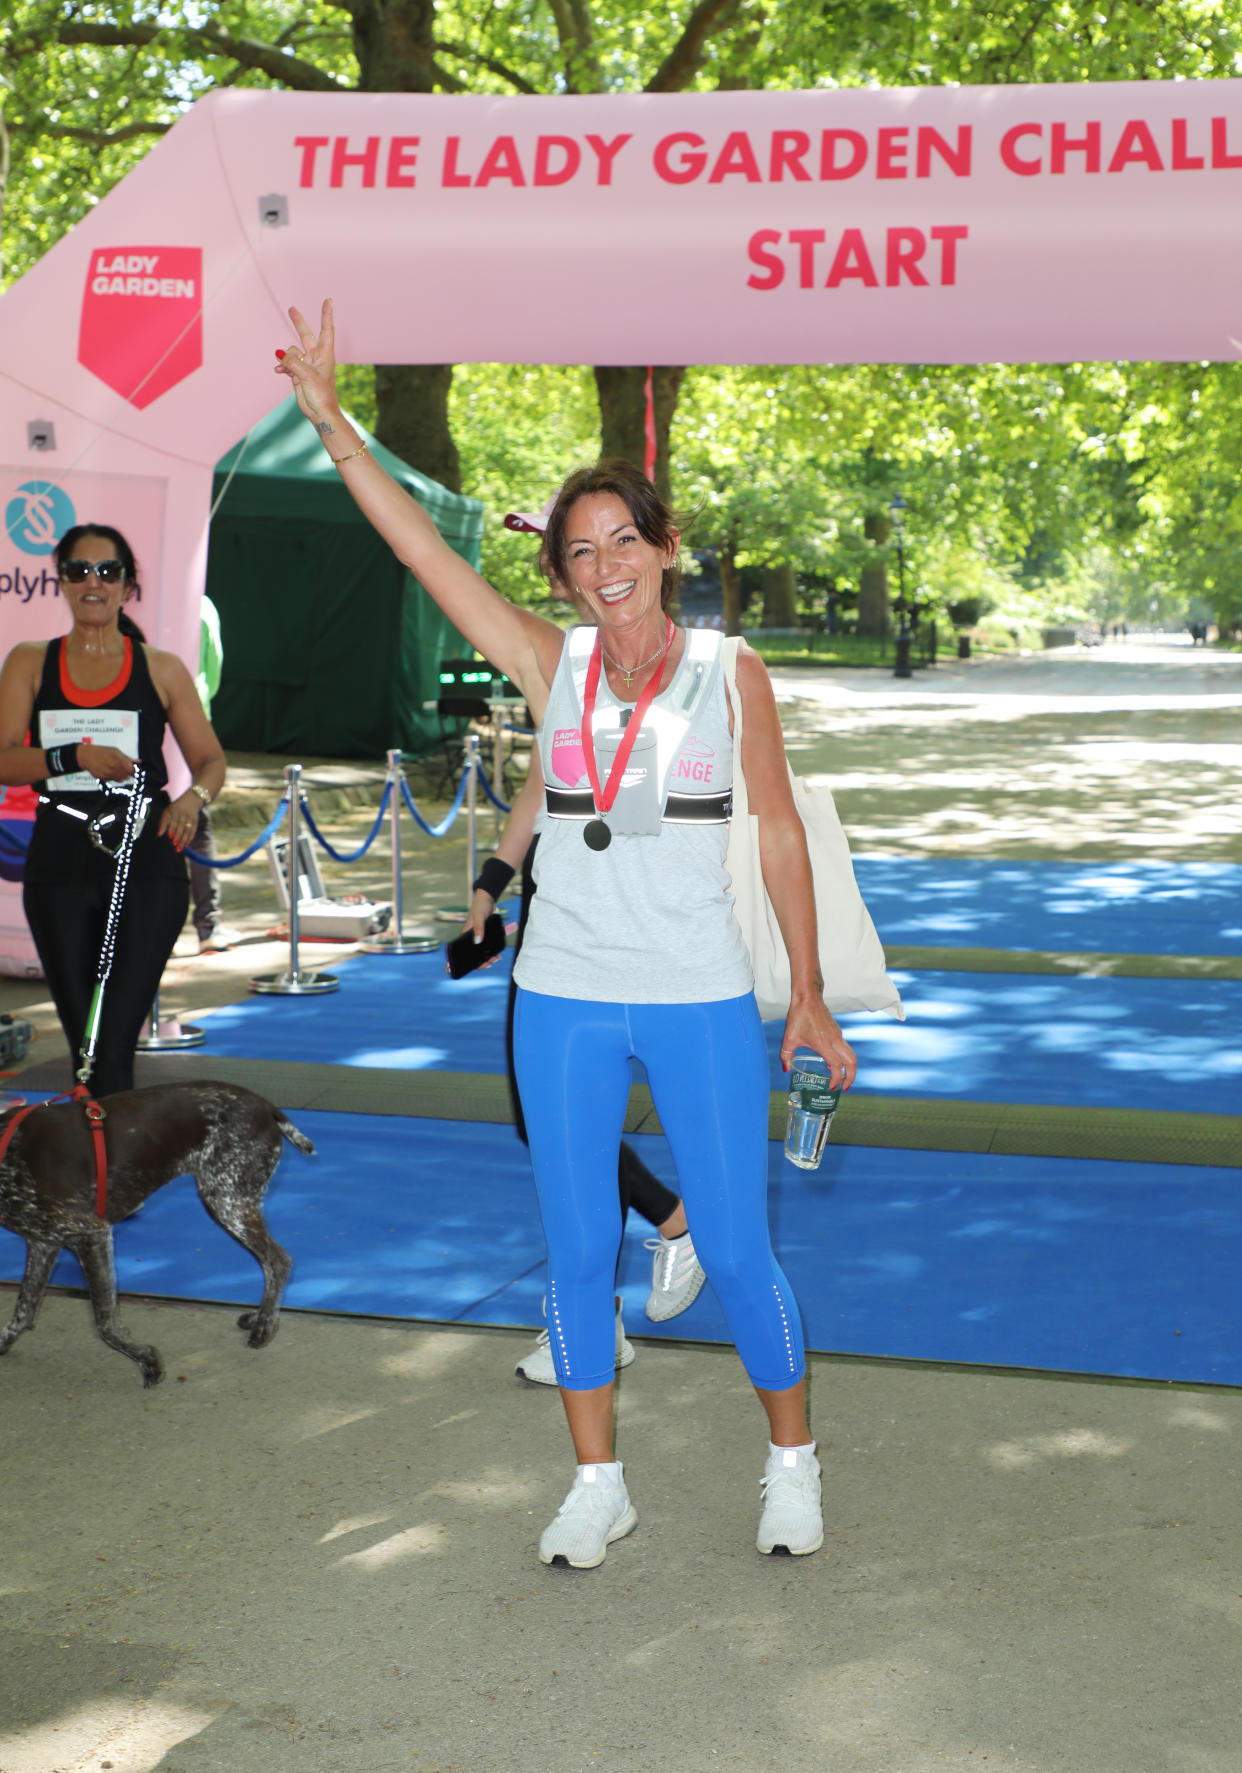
x,y
630,675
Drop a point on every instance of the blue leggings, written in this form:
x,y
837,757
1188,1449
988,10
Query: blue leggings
x,y
708,1070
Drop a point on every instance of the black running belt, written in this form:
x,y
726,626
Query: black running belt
x,y
679,809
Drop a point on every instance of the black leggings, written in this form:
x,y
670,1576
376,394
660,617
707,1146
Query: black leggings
x,y
639,1188
67,921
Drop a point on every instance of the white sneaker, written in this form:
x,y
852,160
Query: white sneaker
x,y
219,939
676,1276
537,1365
792,1521
596,1511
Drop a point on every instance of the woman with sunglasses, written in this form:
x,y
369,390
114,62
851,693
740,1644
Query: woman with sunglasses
x,y
75,714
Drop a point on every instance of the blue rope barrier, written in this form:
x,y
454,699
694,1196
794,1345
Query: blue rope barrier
x,y
272,826
354,855
447,820
490,792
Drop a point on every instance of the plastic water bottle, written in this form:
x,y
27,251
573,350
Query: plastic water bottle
x,y
812,1104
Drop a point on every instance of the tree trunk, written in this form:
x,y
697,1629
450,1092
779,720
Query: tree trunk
x,y
623,415
731,591
393,44
413,418
874,614
780,602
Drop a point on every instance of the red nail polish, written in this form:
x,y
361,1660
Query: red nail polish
x,y
280,353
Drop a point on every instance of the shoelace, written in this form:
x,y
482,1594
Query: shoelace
x,y
670,1258
591,1498
798,1478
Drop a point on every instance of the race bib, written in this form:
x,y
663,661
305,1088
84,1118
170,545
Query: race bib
x,y
86,726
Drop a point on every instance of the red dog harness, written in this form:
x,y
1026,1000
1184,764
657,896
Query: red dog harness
x,y
95,1115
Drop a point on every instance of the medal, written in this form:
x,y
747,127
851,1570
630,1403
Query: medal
x,y
596,835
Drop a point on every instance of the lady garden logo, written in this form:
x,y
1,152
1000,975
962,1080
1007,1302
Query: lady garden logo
x,y
142,319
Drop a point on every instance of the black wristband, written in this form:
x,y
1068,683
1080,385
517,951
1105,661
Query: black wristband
x,y
62,760
494,877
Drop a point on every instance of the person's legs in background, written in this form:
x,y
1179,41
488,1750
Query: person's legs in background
x,y
213,936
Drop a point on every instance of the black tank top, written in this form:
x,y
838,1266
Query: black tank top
x,y
59,846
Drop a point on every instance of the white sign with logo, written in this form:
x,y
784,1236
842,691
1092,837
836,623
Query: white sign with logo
x,y
87,726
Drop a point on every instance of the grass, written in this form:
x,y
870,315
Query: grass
x,y
834,649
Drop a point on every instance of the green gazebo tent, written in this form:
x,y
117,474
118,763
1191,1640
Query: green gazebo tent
x,y
331,647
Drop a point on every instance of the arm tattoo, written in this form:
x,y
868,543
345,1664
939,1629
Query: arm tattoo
x,y
324,428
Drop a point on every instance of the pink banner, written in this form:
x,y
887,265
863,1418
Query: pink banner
x,y
963,225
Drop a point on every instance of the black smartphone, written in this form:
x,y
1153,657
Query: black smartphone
x,y
465,954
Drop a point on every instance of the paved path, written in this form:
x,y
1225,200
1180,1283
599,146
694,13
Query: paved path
x,y
1101,754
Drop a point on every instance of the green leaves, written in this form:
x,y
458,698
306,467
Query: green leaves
x,y
1097,487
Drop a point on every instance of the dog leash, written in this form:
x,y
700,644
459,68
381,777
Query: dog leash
x,y
95,1113
137,807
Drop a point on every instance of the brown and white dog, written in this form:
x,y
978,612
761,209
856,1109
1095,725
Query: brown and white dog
x,y
226,1137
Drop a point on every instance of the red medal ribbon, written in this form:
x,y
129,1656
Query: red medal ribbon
x,y
604,800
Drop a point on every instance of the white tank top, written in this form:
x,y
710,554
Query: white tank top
x,y
650,918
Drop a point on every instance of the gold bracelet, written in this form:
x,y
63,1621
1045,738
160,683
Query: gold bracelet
x,y
362,450
204,794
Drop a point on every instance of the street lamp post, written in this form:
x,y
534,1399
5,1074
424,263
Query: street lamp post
x,y
897,511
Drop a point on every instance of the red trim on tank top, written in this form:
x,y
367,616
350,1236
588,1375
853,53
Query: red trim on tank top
x,y
82,698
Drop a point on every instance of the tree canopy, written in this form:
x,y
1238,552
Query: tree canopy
x,y
1101,488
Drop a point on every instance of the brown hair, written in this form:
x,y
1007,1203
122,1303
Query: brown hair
x,y
652,518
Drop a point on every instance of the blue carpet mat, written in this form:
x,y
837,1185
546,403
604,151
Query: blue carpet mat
x,y
1068,907
1018,1262
992,1037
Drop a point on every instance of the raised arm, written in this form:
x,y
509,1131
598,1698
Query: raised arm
x,y
525,646
787,873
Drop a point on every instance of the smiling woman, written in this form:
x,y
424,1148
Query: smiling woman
x,y
632,949
76,713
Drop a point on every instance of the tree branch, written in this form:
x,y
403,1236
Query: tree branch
x,y
683,59
98,138
573,30
460,50
289,70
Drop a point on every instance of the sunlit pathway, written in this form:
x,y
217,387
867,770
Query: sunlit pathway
x,y
1102,754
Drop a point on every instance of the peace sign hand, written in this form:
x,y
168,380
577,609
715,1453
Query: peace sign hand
x,y
312,367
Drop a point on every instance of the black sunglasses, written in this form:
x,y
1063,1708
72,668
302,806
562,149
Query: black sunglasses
x,y
108,572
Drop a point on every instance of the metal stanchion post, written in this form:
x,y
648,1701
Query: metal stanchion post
x,y
393,940
498,761
294,983
168,1037
455,913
